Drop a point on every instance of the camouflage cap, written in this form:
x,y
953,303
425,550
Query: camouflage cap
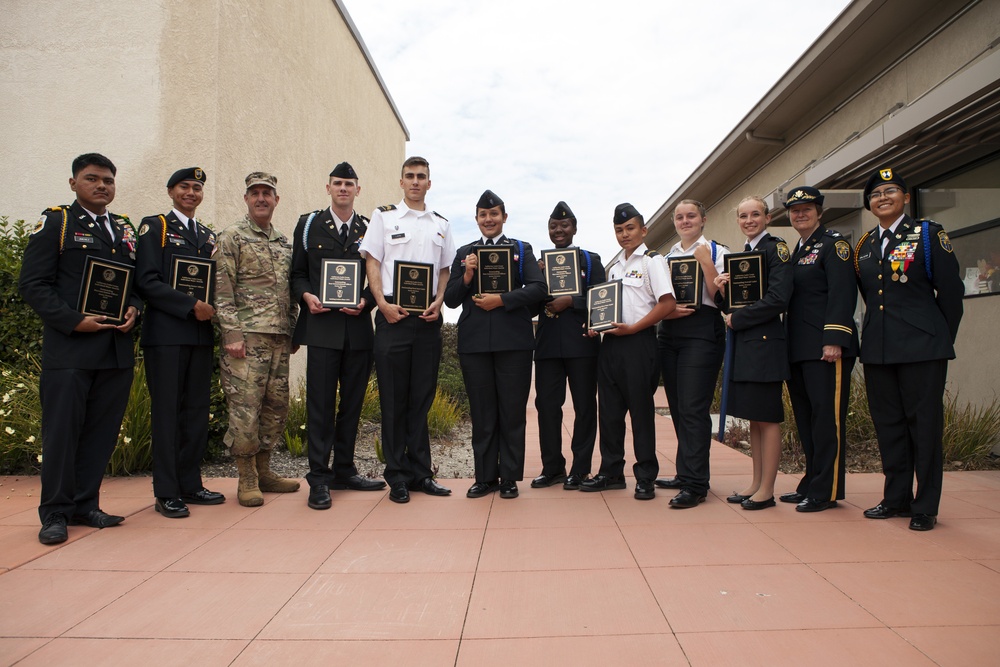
x,y
261,178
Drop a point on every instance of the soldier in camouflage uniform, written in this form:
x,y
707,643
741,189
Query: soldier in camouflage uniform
x,y
256,317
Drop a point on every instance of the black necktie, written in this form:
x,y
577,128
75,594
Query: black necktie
x,y
886,235
193,226
489,241
343,233
102,221
746,247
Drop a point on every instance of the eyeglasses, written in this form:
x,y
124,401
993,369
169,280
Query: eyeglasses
x,y
888,192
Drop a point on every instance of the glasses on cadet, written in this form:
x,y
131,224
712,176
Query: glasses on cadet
x,y
888,192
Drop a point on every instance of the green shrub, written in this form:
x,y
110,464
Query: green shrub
x,y
134,451
20,422
371,411
295,425
444,414
970,432
450,378
20,327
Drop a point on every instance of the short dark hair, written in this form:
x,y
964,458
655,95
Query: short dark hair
x,y
93,159
416,161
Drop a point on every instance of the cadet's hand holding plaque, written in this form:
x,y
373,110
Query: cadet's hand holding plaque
x,y
105,289
562,271
747,279
604,305
495,263
412,283
341,283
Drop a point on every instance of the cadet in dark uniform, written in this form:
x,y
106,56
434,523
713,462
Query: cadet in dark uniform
x,y
760,356
912,289
563,351
822,347
86,362
339,340
495,341
177,342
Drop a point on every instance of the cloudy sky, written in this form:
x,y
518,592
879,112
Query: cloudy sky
x,y
594,103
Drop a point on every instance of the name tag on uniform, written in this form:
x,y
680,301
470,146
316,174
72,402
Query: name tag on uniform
x,y
401,235
83,238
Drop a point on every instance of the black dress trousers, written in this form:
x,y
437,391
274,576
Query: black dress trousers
x,y
407,357
550,394
627,379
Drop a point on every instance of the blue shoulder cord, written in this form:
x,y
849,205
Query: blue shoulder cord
x,y
727,366
305,230
520,263
587,255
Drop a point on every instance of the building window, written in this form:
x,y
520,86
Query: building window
x,y
967,203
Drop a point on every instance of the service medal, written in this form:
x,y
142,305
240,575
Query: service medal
x,y
903,278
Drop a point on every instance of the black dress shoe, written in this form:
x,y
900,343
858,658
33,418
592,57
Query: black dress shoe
x,y
480,489
203,497
573,482
54,529
813,505
399,493
508,488
603,483
922,522
751,505
644,489
794,497
881,511
668,483
686,499
172,508
96,519
319,497
737,498
430,487
545,481
357,483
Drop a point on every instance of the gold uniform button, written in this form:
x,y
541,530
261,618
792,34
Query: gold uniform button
x,y
881,307
112,252
880,292
765,337
880,276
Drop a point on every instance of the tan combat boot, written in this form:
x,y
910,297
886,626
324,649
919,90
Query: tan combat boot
x,y
268,480
248,492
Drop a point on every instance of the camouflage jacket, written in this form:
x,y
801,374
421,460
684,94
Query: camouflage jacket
x,y
251,288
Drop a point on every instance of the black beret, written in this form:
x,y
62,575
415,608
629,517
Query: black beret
x,y
189,174
804,195
489,200
562,211
881,177
625,212
344,170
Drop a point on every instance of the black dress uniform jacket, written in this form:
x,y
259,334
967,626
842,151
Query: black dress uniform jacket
x,y
169,318
561,337
826,295
760,353
915,320
507,328
329,330
51,273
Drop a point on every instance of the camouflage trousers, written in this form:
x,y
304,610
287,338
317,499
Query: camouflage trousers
x,y
256,389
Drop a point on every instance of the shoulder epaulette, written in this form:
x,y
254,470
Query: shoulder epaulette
x,y
831,232
652,253
362,218
55,208
387,207
440,216
777,239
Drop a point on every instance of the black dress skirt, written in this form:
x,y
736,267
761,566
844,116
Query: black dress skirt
x,y
756,401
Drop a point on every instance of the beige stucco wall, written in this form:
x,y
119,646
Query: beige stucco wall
x,y
228,85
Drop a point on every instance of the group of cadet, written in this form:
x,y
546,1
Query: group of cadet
x,y
267,305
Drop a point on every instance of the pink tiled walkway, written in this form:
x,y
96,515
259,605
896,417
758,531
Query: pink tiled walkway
x,y
551,578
